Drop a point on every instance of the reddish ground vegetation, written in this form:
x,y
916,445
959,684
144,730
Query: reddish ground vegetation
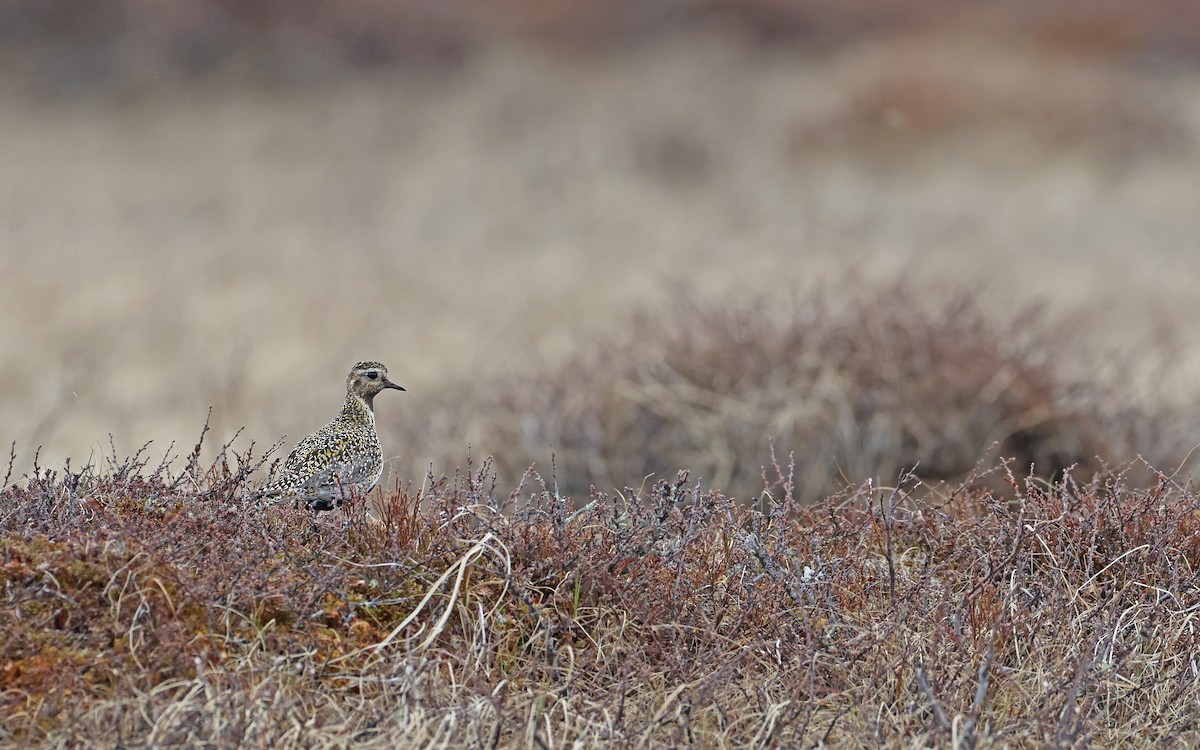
x,y
148,608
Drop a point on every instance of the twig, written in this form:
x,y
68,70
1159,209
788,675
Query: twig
x,y
934,703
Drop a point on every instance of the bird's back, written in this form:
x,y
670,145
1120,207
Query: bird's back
x,y
340,459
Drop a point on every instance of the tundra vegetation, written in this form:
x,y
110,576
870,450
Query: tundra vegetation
x,y
904,527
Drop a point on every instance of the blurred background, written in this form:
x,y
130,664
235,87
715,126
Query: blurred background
x,y
228,202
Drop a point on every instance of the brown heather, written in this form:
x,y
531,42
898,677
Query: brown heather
x,y
968,606
142,610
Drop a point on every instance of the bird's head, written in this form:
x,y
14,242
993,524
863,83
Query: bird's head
x,y
367,379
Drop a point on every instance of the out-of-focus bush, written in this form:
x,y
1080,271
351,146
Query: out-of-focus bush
x,y
69,45
855,387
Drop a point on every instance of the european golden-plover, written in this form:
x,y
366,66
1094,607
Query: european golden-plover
x,y
343,457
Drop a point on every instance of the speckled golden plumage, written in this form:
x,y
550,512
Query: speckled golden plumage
x,y
343,457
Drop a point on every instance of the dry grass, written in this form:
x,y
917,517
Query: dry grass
x,y
145,607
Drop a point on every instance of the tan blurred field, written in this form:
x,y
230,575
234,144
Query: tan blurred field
x,y
231,243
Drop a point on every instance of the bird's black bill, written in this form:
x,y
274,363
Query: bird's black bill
x,y
390,384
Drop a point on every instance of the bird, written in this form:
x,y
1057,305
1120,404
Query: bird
x,y
343,458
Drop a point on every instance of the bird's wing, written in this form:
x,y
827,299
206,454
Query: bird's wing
x,y
292,473
326,458
304,451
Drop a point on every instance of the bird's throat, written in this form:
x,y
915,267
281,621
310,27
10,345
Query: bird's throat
x,y
358,407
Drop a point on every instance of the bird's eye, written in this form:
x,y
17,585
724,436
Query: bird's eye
x,y
373,375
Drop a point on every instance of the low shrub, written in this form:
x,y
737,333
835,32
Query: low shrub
x,y
145,608
860,386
